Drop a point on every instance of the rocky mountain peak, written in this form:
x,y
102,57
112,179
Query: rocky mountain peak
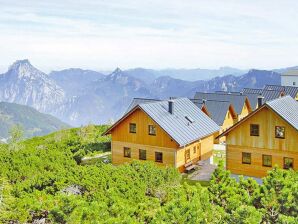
x,y
24,69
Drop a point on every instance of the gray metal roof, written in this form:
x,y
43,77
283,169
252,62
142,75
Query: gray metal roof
x,y
177,125
216,109
270,95
236,100
137,101
252,91
287,108
288,90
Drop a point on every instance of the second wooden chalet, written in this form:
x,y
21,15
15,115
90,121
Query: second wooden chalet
x,y
266,138
240,103
222,112
170,133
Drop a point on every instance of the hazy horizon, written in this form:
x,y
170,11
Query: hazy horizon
x,y
103,35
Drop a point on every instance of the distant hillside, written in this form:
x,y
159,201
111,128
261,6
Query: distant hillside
x,y
33,122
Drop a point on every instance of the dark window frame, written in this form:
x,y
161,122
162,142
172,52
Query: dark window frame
x,y
124,152
130,129
243,155
141,155
276,127
156,157
149,130
284,161
263,156
252,131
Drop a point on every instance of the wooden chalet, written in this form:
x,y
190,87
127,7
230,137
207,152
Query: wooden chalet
x,y
171,133
266,138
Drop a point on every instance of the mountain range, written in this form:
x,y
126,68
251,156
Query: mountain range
x,y
79,97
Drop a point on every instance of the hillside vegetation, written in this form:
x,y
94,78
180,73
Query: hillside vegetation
x,y
41,179
33,122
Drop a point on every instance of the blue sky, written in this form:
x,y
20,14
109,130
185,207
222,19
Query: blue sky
x,y
102,35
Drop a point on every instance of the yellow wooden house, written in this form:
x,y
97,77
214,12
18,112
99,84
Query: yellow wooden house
x,y
171,133
266,138
222,112
240,102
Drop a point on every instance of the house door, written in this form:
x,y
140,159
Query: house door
x,y
187,155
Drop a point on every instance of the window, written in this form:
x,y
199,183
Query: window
x,y
195,150
127,152
254,130
152,130
142,154
158,157
246,158
279,132
187,154
294,83
133,128
288,163
267,160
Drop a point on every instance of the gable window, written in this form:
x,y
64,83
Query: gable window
x,y
152,130
142,154
127,152
132,128
288,163
158,157
187,154
195,150
254,130
280,132
246,158
267,160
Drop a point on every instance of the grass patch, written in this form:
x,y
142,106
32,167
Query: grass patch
x,y
219,155
185,179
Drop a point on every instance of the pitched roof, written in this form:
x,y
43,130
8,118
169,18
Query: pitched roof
x,y
288,90
137,101
252,91
216,109
267,93
236,100
286,107
186,125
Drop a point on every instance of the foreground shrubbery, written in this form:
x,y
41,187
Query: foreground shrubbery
x,y
35,176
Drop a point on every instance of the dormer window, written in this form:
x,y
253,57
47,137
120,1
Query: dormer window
x,y
132,128
254,130
279,132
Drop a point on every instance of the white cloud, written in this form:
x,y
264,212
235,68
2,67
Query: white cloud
x,y
157,34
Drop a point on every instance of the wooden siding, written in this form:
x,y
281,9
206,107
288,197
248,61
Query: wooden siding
x,y
180,158
267,121
228,122
118,153
245,110
256,168
142,120
239,140
204,151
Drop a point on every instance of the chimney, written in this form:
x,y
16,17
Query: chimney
x,y
204,101
260,100
171,106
